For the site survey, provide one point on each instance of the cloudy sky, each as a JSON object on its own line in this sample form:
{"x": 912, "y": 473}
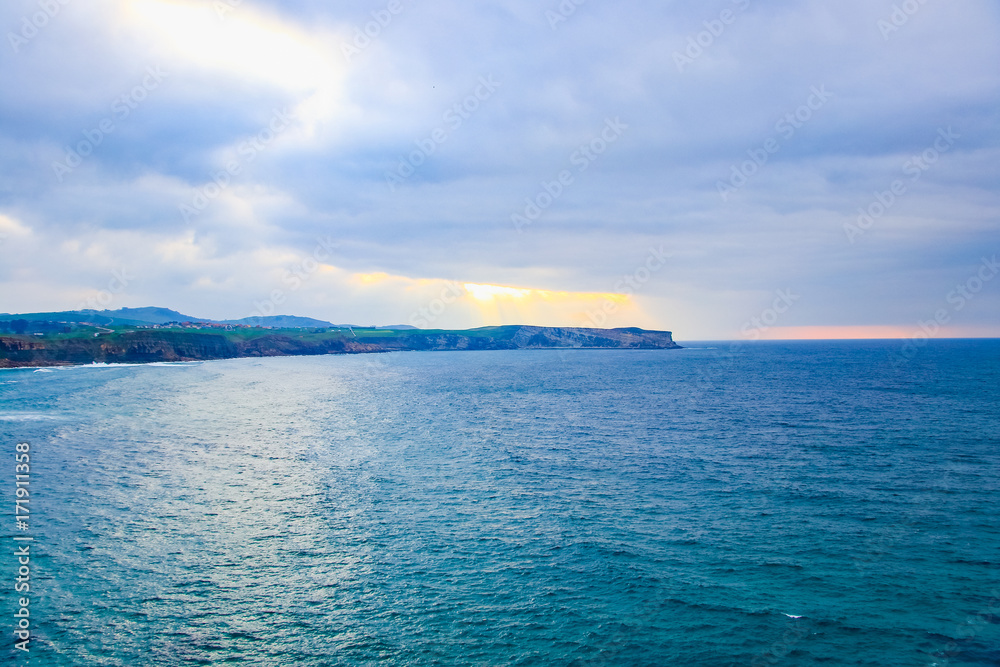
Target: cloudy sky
{"x": 725, "y": 169}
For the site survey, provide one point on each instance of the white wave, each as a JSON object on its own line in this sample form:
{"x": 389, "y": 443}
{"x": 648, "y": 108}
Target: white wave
{"x": 104, "y": 364}
{"x": 173, "y": 363}
{"x": 28, "y": 417}
{"x": 95, "y": 364}
{"x": 46, "y": 369}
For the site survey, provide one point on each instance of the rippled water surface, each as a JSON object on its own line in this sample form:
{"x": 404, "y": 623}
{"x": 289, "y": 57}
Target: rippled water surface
{"x": 773, "y": 504}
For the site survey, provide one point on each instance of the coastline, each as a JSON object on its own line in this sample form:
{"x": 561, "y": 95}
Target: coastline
{"x": 131, "y": 345}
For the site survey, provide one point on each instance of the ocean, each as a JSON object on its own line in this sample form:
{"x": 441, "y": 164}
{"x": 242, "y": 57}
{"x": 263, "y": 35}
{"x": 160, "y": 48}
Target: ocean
{"x": 778, "y": 503}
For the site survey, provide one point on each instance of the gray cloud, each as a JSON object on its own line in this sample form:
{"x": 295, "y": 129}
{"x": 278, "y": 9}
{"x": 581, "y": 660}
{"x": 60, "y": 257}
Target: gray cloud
{"x": 690, "y": 121}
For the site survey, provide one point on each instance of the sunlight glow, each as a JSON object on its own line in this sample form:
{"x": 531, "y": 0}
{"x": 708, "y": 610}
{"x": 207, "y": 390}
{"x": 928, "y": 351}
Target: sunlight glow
{"x": 487, "y": 292}
{"x": 241, "y": 42}
{"x": 442, "y": 303}
{"x": 371, "y": 278}
{"x": 11, "y": 227}
{"x": 500, "y": 304}
{"x": 482, "y": 292}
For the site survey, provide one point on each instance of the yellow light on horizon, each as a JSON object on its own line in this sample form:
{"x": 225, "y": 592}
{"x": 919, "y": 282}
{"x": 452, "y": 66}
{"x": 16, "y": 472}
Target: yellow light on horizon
{"x": 482, "y": 304}
{"x": 487, "y": 292}
{"x": 484, "y": 292}
{"x": 372, "y": 278}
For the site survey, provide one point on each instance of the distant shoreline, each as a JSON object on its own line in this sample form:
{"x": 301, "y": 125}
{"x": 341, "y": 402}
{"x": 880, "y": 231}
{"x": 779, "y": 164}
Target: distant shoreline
{"x": 139, "y": 345}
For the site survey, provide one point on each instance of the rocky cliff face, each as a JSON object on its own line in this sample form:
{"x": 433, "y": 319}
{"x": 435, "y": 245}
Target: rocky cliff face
{"x": 17, "y": 345}
{"x": 148, "y": 346}
{"x": 527, "y": 337}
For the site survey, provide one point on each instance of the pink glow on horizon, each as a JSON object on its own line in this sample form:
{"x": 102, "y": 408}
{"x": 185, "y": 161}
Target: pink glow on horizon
{"x": 874, "y": 331}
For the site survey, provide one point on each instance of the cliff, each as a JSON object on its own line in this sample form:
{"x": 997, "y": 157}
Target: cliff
{"x": 141, "y": 346}
{"x": 528, "y": 337}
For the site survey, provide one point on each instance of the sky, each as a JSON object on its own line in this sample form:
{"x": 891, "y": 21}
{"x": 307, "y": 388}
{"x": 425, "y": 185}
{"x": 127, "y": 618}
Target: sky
{"x": 731, "y": 169}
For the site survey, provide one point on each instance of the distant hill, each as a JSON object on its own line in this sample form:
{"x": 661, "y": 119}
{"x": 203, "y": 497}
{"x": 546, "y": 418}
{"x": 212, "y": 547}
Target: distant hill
{"x": 154, "y": 315}
{"x": 396, "y": 327}
{"x": 123, "y": 316}
{"x": 280, "y": 321}
{"x": 151, "y": 314}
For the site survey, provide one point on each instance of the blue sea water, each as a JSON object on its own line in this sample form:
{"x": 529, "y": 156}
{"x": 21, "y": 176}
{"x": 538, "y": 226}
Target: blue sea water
{"x": 820, "y": 503}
